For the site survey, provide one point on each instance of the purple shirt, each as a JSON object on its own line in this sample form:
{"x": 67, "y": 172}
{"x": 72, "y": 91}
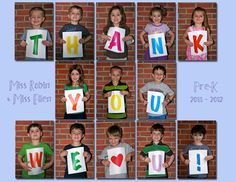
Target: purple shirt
{"x": 151, "y": 28}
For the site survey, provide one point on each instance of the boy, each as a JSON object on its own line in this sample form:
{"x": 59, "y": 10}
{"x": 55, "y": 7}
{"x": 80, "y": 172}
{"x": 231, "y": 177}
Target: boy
{"x": 114, "y": 135}
{"x": 36, "y": 18}
{"x": 157, "y": 133}
{"x": 116, "y": 85}
{"x": 77, "y": 133}
{"x": 198, "y": 133}
{"x": 158, "y": 74}
{"x": 35, "y": 132}
{"x": 75, "y": 15}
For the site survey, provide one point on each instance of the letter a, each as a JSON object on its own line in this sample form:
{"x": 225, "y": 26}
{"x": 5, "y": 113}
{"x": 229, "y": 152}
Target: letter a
{"x": 115, "y": 41}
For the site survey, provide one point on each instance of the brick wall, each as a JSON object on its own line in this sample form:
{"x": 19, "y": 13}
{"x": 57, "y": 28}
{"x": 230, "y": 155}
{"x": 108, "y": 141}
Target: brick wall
{"x": 63, "y": 138}
{"x": 102, "y": 15}
{"x": 144, "y": 76}
{"x": 185, "y": 13}
{"x": 144, "y": 138}
{"x": 22, "y": 138}
{"x": 87, "y": 21}
{"x": 62, "y": 70}
{"x": 143, "y": 20}
{"x": 22, "y": 23}
{"x": 103, "y": 70}
{"x": 184, "y": 138}
{"x": 128, "y": 128}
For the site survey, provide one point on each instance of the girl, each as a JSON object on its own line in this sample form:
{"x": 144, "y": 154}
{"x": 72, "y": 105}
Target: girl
{"x": 199, "y": 22}
{"x": 156, "y": 26}
{"x": 76, "y": 81}
{"x": 117, "y": 18}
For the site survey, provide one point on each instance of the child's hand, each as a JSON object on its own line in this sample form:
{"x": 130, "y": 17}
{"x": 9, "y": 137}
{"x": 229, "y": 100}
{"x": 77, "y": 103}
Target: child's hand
{"x": 146, "y": 45}
{"x": 207, "y": 158}
{"x": 124, "y": 92}
{"x": 147, "y": 160}
{"x": 108, "y": 94}
{"x": 105, "y": 162}
{"x": 61, "y": 41}
{"x": 63, "y": 153}
{"x": 127, "y": 38}
{"x": 47, "y": 165}
{"x": 186, "y": 162}
{"x": 26, "y": 166}
{"x": 84, "y": 99}
{"x": 189, "y": 43}
{"x": 63, "y": 99}
{"x": 144, "y": 102}
{"x": 105, "y": 37}
{"x": 128, "y": 157}
{"x": 86, "y": 154}
{"x": 46, "y": 43}
{"x": 165, "y": 165}
{"x": 164, "y": 103}
{"x": 23, "y": 43}
{"x": 208, "y": 43}
{"x": 82, "y": 41}
{"x": 168, "y": 44}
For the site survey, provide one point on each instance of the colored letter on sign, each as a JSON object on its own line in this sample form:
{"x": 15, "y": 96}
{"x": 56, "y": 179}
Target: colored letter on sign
{"x": 116, "y": 157}
{"x": 35, "y": 157}
{"x": 157, "y": 159}
{"x": 115, "y": 44}
{"x": 34, "y": 47}
{"x": 157, "y": 45}
{"x": 155, "y": 100}
{"x": 74, "y": 103}
{"x": 75, "y": 160}
{"x": 197, "y": 165}
{"x": 72, "y": 48}
{"x": 116, "y": 103}
{"x": 198, "y": 38}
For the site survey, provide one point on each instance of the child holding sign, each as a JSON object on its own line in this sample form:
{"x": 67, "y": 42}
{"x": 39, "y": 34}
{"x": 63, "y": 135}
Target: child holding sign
{"x": 75, "y": 15}
{"x": 196, "y": 43}
{"x": 116, "y": 34}
{"x": 116, "y": 91}
{"x": 78, "y": 167}
{"x": 156, "y": 27}
{"x": 35, "y": 157}
{"x": 159, "y": 94}
{"x": 75, "y": 102}
{"x": 202, "y": 151}
{"x": 36, "y": 18}
{"x": 115, "y": 156}
{"x": 154, "y": 154}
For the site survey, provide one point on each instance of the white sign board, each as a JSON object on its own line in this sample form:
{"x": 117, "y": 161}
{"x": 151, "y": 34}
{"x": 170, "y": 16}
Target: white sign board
{"x": 74, "y": 103}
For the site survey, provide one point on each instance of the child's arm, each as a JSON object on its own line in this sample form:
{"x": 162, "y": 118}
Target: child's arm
{"x": 23, "y": 43}
{"x": 85, "y": 40}
{"x": 24, "y": 165}
{"x": 106, "y": 95}
{"x": 63, "y": 99}
{"x": 48, "y": 164}
{"x": 87, "y": 97}
{"x": 62, "y": 155}
{"x": 102, "y": 38}
{"x": 141, "y": 36}
{"x": 169, "y": 162}
{"x": 125, "y": 92}
{"x": 210, "y": 40}
{"x": 47, "y": 43}
{"x": 209, "y": 157}
{"x": 168, "y": 100}
{"x": 129, "y": 39}
{"x": 186, "y": 40}
{"x": 183, "y": 160}
{"x": 129, "y": 156}
{"x": 172, "y": 38}
{"x": 105, "y": 162}
{"x": 87, "y": 156}
{"x": 141, "y": 96}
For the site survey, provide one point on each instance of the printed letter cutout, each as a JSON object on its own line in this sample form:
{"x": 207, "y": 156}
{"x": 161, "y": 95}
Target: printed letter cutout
{"x": 115, "y": 44}
{"x": 198, "y": 165}
{"x": 116, "y": 103}
{"x": 157, "y": 45}
{"x": 74, "y": 103}
{"x": 155, "y": 100}
{"x": 72, "y": 48}
{"x": 35, "y": 157}
{"x": 35, "y": 48}
{"x": 157, "y": 159}
{"x": 198, "y": 38}
{"x": 116, "y": 157}
{"x": 75, "y": 160}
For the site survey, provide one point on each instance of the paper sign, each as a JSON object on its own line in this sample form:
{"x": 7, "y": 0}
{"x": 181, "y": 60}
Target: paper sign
{"x": 155, "y": 100}
{"x": 197, "y": 164}
{"x": 72, "y": 48}
{"x": 35, "y": 47}
{"x": 116, "y": 103}
{"x": 157, "y": 160}
{"x": 74, "y": 103}
{"x": 116, "y": 157}
{"x": 198, "y": 38}
{"x": 157, "y": 45}
{"x": 115, "y": 44}
{"x": 75, "y": 160}
{"x": 35, "y": 157}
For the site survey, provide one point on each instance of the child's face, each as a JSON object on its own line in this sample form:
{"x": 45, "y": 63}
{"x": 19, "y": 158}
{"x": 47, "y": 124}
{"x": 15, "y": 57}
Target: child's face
{"x": 36, "y": 18}
{"x": 76, "y": 135}
{"x": 75, "y": 15}
{"x": 35, "y": 133}
{"x": 156, "y": 136}
{"x": 198, "y": 17}
{"x": 197, "y": 138}
{"x": 75, "y": 76}
{"x": 115, "y": 17}
{"x": 114, "y": 140}
{"x": 156, "y": 17}
{"x": 158, "y": 75}
{"x": 115, "y": 75}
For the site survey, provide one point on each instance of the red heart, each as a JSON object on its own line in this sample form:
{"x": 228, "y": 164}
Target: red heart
{"x": 117, "y": 160}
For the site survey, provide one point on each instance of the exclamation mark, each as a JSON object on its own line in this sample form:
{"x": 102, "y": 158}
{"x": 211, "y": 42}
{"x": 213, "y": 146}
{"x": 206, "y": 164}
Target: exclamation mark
{"x": 198, "y": 163}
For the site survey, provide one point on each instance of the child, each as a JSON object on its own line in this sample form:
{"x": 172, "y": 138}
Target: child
{"x": 35, "y": 132}
{"x": 77, "y": 132}
{"x": 36, "y": 18}
{"x": 75, "y": 14}
{"x": 198, "y": 133}
{"x": 154, "y": 27}
{"x": 76, "y": 81}
{"x": 116, "y": 85}
{"x": 157, "y": 133}
{"x": 199, "y": 22}
{"x": 114, "y": 135}
{"x": 117, "y": 18}
{"x": 158, "y": 74}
